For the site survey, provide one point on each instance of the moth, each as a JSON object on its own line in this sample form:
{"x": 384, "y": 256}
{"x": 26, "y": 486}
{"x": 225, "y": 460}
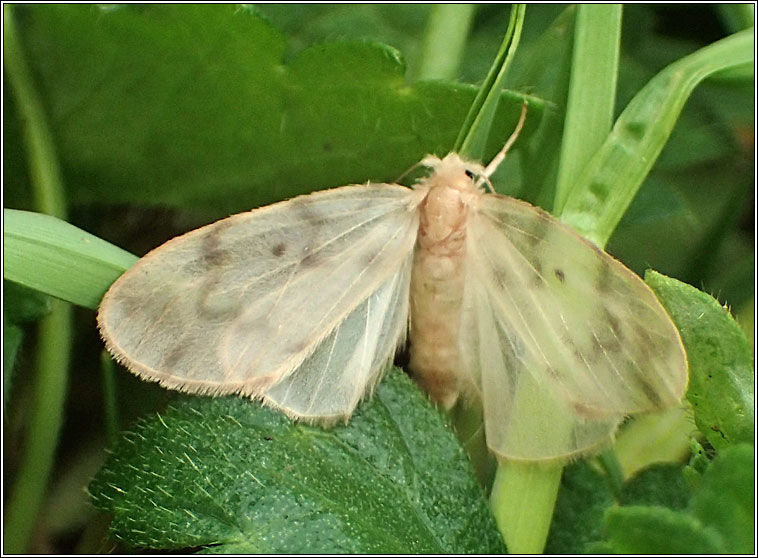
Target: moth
{"x": 303, "y": 303}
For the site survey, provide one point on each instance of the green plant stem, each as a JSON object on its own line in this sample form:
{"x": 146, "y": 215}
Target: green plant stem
{"x": 445, "y": 40}
{"x": 54, "y": 341}
{"x": 613, "y": 472}
{"x": 522, "y": 500}
{"x": 108, "y": 367}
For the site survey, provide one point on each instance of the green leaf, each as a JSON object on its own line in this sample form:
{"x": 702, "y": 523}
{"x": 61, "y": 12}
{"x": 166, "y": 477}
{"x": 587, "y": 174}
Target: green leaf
{"x": 657, "y": 530}
{"x": 654, "y": 438}
{"x": 227, "y": 472}
{"x": 657, "y": 485}
{"x": 196, "y": 106}
{"x": 444, "y": 43}
{"x": 583, "y": 498}
{"x": 725, "y": 498}
{"x": 720, "y": 518}
{"x": 54, "y": 257}
{"x": 13, "y": 336}
{"x": 720, "y": 361}
{"x": 22, "y": 305}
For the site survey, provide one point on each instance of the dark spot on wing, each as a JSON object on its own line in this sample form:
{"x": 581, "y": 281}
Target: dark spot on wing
{"x": 211, "y": 304}
{"x": 537, "y": 279}
{"x": 560, "y": 275}
{"x": 500, "y": 275}
{"x": 539, "y": 228}
{"x": 279, "y": 249}
{"x": 647, "y": 388}
{"x": 604, "y": 274}
{"x": 586, "y": 411}
{"x": 312, "y": 259}
{"x": 327, "y": 146}
{"x": 304, "y": 211}
{"x": 173, "y": 357}
{"x": 212, "y": 255}
{"x": 614, "y": 324}
{"x": 215, "y": 258}
{"x": 298, "y": 347}
{"x": 368, "y": 259}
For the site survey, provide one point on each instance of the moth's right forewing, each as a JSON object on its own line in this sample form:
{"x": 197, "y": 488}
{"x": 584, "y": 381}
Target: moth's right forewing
{"x": 583, "y": 341}
{"x": 239, "y": 304}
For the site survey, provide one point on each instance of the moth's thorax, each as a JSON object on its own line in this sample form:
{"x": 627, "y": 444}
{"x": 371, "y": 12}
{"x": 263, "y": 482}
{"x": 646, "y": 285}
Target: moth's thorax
{"x": 450, "y": 196}
{"x": 438, "y": 275}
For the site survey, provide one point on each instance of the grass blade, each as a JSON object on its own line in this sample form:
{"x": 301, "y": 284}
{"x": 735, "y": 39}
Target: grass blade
{"x": 609, "y": 182}
{"x": 592, "y": 91}
{"x": 59, "y": 259}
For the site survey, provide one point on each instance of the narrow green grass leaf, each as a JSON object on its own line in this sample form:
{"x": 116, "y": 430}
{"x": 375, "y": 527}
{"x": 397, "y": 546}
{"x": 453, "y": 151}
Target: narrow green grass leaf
{"x": 20, "y": 306}
{"x": 57, "y": 258}
{"x": 445, "y": 40}
{"x": 592, "y": 91}
{"x": 473, "y": 135}
{"x": 45, "y": 415}
{"x": 608, "y": 183}
{"x": 545, "y": 69}
{"x": 231, "y": 475}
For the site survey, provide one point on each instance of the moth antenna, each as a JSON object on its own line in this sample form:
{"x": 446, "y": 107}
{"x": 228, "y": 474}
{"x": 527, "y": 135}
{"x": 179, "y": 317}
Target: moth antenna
{"x": 484, "y": 180}
{"x": 495, "y": 163}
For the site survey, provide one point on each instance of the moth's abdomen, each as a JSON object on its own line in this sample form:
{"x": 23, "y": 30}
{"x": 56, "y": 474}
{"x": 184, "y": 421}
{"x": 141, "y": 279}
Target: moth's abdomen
{"x": 437, "y": 292}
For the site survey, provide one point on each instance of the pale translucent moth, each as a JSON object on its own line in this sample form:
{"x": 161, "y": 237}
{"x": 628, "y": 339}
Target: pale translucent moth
{"x": 303, "y": 303}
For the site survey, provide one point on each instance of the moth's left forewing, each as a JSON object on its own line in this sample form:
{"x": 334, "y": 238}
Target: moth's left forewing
{"x": 585, "y": 340}
{"x": 298, "y": 288}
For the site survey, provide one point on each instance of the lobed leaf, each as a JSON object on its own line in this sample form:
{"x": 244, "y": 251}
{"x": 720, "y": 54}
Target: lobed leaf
{"x": 583, "y": 498}
{"x": 720, "y": 362}
{"x": 197, "y": 105}
{"x": 232, "y": 476}
{"x": 657, "y": 530}
{"x": 661, "y": 484}
{"x": 720, "y": 518}
{"x": 725, "y": 499}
